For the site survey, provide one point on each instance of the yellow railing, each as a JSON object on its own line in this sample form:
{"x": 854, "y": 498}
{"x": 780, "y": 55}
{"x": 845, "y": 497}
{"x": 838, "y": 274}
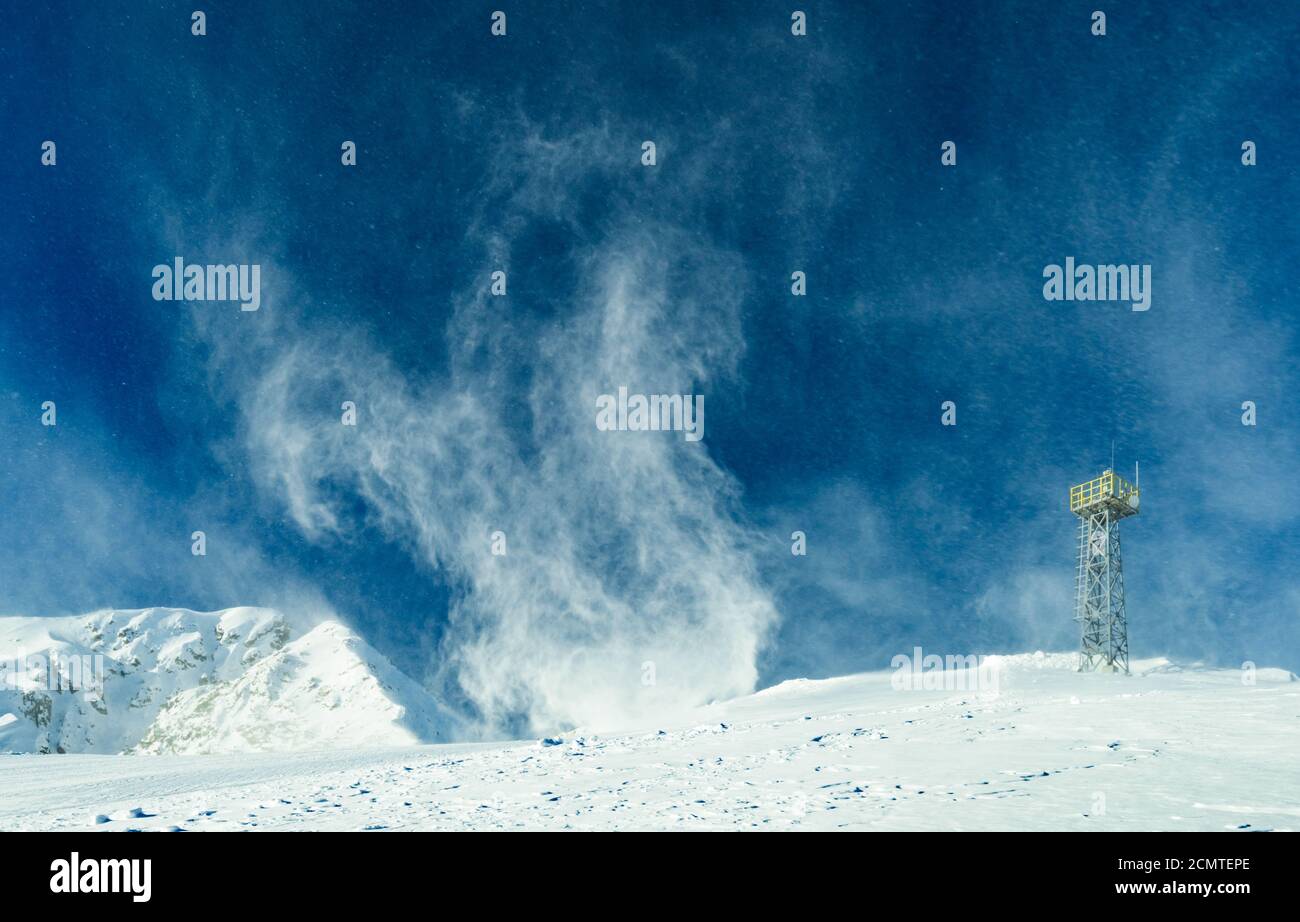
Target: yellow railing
{"x": 1109, "y": 485}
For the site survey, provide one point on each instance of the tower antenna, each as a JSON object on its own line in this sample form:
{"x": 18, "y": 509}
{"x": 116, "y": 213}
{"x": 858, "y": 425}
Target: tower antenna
{"x": 1100, "y": 504}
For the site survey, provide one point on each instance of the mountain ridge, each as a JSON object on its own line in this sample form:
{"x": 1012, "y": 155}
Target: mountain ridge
{"x": 176, "y": 681}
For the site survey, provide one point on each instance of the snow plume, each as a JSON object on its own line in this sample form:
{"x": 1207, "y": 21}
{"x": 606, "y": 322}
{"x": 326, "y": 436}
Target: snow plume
{"x": 627, "y": 587}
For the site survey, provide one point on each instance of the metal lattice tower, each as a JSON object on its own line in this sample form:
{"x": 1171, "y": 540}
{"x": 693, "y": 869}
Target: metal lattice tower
{"x": 1099, "y": 587}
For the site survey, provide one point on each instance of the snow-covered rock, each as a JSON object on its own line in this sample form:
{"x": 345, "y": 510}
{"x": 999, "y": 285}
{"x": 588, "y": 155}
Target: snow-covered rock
{"x": 327, "y": 689}
{"x": 179, "y": 681}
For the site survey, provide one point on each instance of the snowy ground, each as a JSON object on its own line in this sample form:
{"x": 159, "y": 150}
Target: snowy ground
{"x": 1165, "y": 748}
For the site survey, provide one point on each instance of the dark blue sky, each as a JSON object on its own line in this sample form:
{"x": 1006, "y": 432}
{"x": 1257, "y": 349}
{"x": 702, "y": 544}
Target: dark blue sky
{"x": 776, "y": 153}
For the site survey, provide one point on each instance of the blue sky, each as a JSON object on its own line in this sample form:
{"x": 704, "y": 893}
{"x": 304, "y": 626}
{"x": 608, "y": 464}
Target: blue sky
{"x": 775, "y": 153}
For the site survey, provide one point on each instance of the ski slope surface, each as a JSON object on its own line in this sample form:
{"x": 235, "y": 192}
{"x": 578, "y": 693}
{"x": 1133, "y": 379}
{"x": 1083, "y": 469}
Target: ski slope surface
{"x": 1177, "y": 748}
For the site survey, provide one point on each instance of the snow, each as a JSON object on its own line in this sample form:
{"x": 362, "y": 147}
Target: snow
{"x": 1170, "y": 747}
{"x": 326, "y": 689}
{"x": 183, "y": 682}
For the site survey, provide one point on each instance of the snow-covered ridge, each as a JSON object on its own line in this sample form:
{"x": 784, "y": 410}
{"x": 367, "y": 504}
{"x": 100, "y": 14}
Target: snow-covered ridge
{"x": 169, "y": 680}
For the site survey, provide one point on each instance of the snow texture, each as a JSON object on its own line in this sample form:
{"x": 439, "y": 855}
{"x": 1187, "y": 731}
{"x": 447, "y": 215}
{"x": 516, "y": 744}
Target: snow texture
{"x": 1170, "y": 747}
{"x": 183, "y": 682}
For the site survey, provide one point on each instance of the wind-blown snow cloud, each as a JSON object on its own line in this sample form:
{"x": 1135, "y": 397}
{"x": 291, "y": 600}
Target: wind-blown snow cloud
{"x": 628, "y": 587}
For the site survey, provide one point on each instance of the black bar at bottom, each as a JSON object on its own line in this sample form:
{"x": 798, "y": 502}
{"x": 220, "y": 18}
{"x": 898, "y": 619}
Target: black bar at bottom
{"x": 306, "y": 870}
